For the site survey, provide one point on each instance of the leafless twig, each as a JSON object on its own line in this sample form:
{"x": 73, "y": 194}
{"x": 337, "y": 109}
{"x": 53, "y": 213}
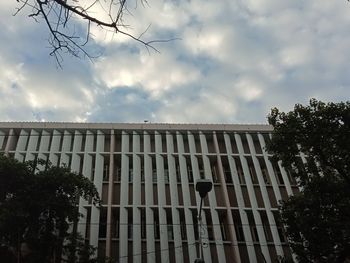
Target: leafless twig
{"x": 61, "y": 17}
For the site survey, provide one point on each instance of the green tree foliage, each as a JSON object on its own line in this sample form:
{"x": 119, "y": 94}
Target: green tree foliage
{"x": 37, "y": 207}
{"x": 317, "y": 220}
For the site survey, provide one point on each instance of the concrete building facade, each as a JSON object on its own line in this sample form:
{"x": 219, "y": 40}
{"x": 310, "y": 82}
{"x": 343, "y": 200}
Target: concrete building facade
{"x": 146, "y": 174}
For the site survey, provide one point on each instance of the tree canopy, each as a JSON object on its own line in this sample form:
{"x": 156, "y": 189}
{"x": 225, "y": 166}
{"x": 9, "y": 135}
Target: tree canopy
{"x": 38, "y": 206}
{"x": 313, "y": 143}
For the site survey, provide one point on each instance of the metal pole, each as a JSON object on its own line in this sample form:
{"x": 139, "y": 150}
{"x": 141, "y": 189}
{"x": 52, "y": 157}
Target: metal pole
{"x": 200, "y": 230}
{"x": 203, "y": 186}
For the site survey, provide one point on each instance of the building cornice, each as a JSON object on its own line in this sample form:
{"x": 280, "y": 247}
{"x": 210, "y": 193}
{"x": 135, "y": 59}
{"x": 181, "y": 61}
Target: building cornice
{"x": 136, "y": 126}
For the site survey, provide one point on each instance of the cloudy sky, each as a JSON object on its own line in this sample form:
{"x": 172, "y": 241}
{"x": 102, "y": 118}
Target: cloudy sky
{"x": 233, "y": 61}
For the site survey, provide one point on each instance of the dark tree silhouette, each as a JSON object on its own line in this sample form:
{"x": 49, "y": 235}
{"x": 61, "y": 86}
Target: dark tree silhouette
{"x": 317, "y": 220}
{"x": 37, "y": 207}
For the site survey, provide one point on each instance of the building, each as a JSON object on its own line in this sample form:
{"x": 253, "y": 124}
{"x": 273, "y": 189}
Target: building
{"x": 146, "y": 173}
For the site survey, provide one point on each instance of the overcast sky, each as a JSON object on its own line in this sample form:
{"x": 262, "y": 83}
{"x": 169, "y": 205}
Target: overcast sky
{"x": 233, "y": 62}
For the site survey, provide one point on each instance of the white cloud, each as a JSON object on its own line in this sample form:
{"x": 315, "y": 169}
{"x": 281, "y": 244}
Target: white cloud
{"x": 32, "y": 93}
{"x": 147, "y": 20}
{"x": 155, "y": 73}
{"x": 236, "y": 60}
{"x": 249, "y": 89}
{"x": 205, "y": 109}
{"x": 209, "y": 41}
{"x": 31, "y": 86}
{"x": 296, "y": 56}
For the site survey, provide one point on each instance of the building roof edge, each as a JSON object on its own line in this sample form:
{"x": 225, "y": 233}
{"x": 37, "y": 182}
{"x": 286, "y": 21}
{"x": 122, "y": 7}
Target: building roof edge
{"x": 137, "y": 126}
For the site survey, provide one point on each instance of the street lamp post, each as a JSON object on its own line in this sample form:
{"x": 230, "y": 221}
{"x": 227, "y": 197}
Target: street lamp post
{"x": 203, "y": 187}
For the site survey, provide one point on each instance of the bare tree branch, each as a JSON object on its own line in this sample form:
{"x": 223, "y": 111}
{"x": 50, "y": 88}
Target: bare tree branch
{"x": 61, "y": 16}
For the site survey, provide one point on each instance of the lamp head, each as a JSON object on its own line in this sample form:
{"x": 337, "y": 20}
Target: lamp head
{"x": 203, "y": 186}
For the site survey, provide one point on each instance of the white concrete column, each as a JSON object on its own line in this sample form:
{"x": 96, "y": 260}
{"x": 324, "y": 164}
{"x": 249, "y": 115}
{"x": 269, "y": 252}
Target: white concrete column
{"x": 98, "y": 179}
{"x": 286, "y": 180}
{"x": 266, "y": 200}
{"x": 124, "y": 191}
{"x": 283, "y": 171}
{"x": 195, "y": 169}
{"x": 269, "y": 167}
{"x": 212, "y": 201}
{"x": 11, "y": 141}
{"x": 136, "y": 187}
{"x": 32, "y": 145}
{"x": 164, "y": 246}
{"x": 110, "y": 194}
{"x": 271, "y": 172}
{"x": 151, "y": 255}
{"x": 54, "y": 149}
{"x": 252, "y": 197}
{"x": 231, "y": 227}
{"x": 44, "y": 147}
{"x": 174, "y": 198}
{"x": 21, "y": 145}
{"x": 75, "y": 167}
{"x": 2, "y": 139}
{"x": 66, "y": 148}
{"x": 44, "y": 141}
{"x": 240, "y": 201}
{"x": 186, "y": 198}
